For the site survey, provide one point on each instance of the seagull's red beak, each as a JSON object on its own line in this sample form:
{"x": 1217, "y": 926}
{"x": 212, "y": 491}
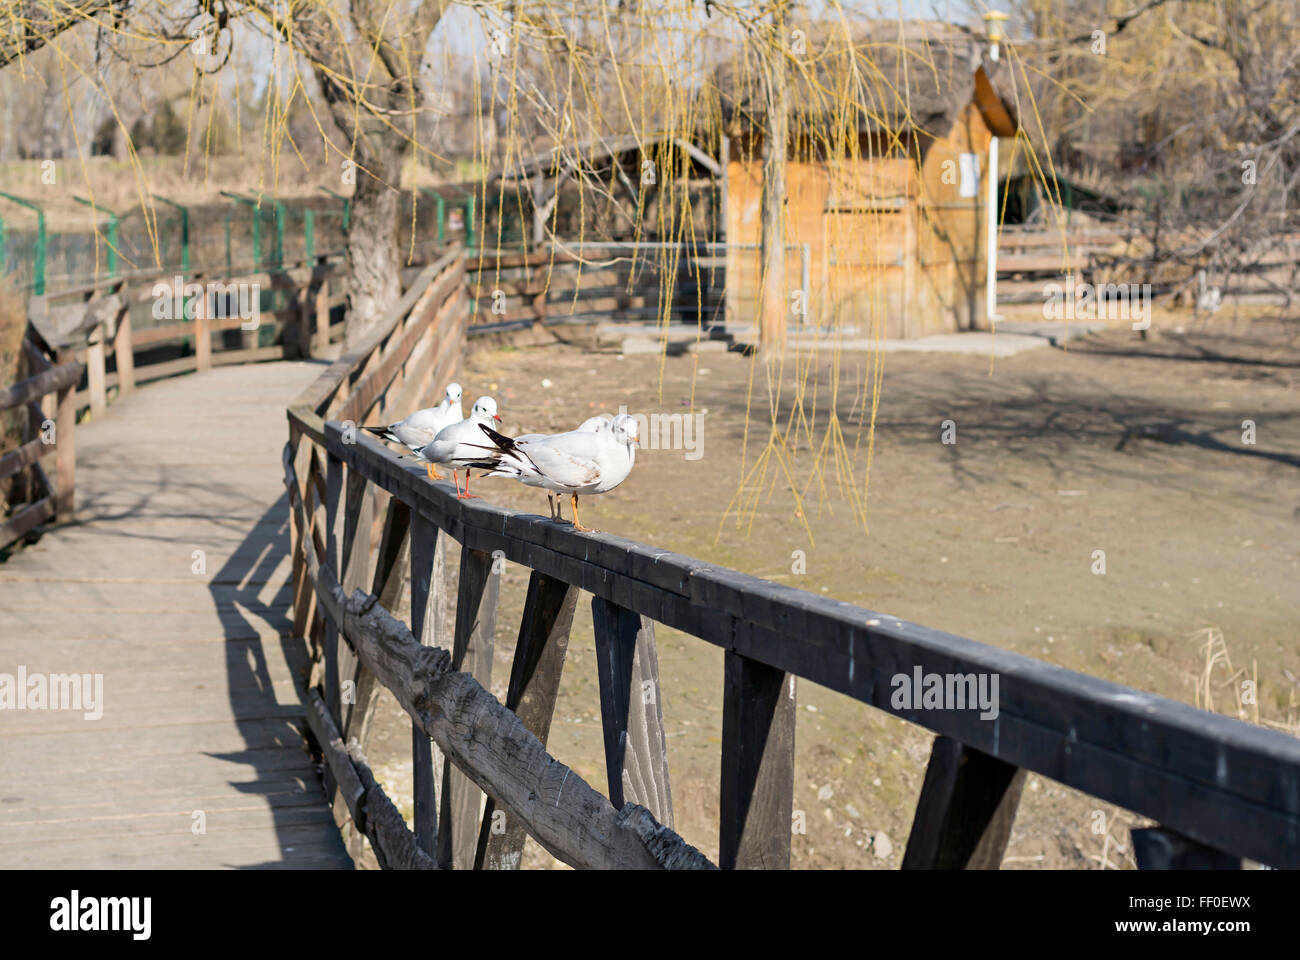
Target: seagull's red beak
{"x": 496, "y": 418}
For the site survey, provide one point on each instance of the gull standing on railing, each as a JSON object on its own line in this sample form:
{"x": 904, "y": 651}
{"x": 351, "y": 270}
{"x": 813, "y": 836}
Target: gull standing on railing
{"x": 422, "y": 427}
{"x": 463, "y": 445}
{"x": 590, "y": 425}
{"x": 579, "y": 462}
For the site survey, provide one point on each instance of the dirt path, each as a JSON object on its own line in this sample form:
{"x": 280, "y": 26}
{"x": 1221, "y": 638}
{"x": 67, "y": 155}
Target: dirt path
{"x": 1130, "y": 447}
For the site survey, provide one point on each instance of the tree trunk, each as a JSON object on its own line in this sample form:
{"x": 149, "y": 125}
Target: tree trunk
{"x": 374, "y": 266}
{"x": 773, "y": 310}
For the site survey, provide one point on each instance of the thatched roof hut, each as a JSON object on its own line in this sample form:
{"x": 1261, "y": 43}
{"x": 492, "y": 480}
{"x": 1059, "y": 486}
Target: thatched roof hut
{"x": 880, "y": 77}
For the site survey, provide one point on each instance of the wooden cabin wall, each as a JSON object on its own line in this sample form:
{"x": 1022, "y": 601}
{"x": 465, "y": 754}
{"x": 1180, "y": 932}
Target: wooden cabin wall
{"x": 852, "y": 214}
{"x": 896, "y": 251}
{"x": 805, "y": 191}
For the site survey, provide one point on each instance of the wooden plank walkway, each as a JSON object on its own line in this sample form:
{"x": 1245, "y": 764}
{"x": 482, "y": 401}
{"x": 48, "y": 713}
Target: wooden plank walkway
{"x": 174, "y": 585}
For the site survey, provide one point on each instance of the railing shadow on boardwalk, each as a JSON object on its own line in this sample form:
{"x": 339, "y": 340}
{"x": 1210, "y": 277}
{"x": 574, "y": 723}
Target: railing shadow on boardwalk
{"x": 252, "y": 620}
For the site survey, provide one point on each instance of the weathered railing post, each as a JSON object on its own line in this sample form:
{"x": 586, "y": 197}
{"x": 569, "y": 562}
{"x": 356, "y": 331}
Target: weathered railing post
{"x": 390, "y": 566}
{"x": 124, "y": 349}
{"x": 534, "y": 685}
{"x": 426, "y": 586}
{"x": 95, "y": 371}
{"x": 202, "y": 333}
{"x": 333, "y": 495}
{"x": 757, "y": 792}
{"x": 968, "y": 803}
{"x": 631, "y": 714}
{"x": 65, "y": 450}
{"x": 476, "y": 614}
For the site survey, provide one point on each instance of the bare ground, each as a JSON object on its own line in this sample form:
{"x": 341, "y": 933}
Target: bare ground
{"x": 1117, "y": 444}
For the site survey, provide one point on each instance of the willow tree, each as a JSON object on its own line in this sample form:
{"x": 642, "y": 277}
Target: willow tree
{"x": 28, "y": 25}
{"x": 366, "y": 56}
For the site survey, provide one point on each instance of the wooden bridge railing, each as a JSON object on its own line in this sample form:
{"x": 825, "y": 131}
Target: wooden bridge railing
{"x": 1220, "y": 789}
{"x": 609, "y": 281}
{"x": 46, "y": 395}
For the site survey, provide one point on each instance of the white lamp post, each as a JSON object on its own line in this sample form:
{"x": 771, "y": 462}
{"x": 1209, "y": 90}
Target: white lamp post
{"x": 994, "y": 20}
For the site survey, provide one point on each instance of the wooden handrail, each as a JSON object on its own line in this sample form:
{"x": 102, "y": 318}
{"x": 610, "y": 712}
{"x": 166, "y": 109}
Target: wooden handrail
{"x": 37, "y": 386}
{"x": 57, "y": 376}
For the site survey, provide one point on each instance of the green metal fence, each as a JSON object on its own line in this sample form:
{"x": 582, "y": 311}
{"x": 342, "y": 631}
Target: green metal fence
{"x": 239, "y": 232}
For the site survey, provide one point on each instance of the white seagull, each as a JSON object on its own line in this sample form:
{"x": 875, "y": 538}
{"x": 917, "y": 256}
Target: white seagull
{"x": 590, "y": 425}
{"x": 578, "y": 462}
{"x": 463, "y": 445}
{"x": 421, "y": 427}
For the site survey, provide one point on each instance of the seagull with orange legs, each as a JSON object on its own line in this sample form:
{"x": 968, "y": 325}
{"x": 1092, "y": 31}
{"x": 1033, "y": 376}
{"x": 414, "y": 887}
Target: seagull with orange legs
{"x": 422, "y": 427}
{"x": 581, "y": 462}
{"x": 463, "y": 445}
{"x": 590, "y": 425}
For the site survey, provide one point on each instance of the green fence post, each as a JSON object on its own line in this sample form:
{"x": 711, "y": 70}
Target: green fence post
{"x": 113, "y": 224}
{"x": 185, "y": 233}
{"x": 470, "y": 238}
{"x": 279, "y": 232}
{"x": 440, "y": 206}
{"x": 309, "y": 235}
{"x": 257, "y": 229}
{"x": 38, "y": 267}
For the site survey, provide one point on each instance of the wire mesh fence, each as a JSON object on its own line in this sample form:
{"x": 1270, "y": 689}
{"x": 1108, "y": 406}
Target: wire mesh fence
{"x": 243, "y": 233}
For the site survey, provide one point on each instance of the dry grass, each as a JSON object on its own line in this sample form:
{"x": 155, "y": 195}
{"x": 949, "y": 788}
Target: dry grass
{"x": 121, "y": 185}
{"x": 1218, "y": 678}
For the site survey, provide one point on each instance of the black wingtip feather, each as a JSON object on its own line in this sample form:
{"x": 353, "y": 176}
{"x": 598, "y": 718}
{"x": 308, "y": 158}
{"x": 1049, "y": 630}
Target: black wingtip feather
{"x": 506, "y": 444}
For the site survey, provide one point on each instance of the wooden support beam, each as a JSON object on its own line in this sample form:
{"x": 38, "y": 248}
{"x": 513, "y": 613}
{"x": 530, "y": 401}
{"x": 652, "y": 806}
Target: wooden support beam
{"x": 95, "y": 371}
{"x": 426, "y": 578}
{"x": 356, "y": 533}
{"x": 301, "y": 491}
{"x": 631, "y": 715}
{"x": 476, "y": 615}
{"x": 124, "y": 354}
{"x": 968, "y": 803}
{"x": 29, "y": 453}
{"x": 65, "y": 458}
{"x": 25, "y": 519}
{"x": 1155, "y": 848}
{"x": 333, "y": 495}
{"x": 355, "y": 557}
{"x": 534, "y": 685}
{"x": 390, "y": 567}
{"x": 757, "y": 792}
{"x": 202, "y": 333}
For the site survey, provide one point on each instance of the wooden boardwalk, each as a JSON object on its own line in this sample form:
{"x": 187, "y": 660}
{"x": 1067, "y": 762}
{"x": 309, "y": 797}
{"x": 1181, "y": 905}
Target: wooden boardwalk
{"x": 173, "y": 584}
